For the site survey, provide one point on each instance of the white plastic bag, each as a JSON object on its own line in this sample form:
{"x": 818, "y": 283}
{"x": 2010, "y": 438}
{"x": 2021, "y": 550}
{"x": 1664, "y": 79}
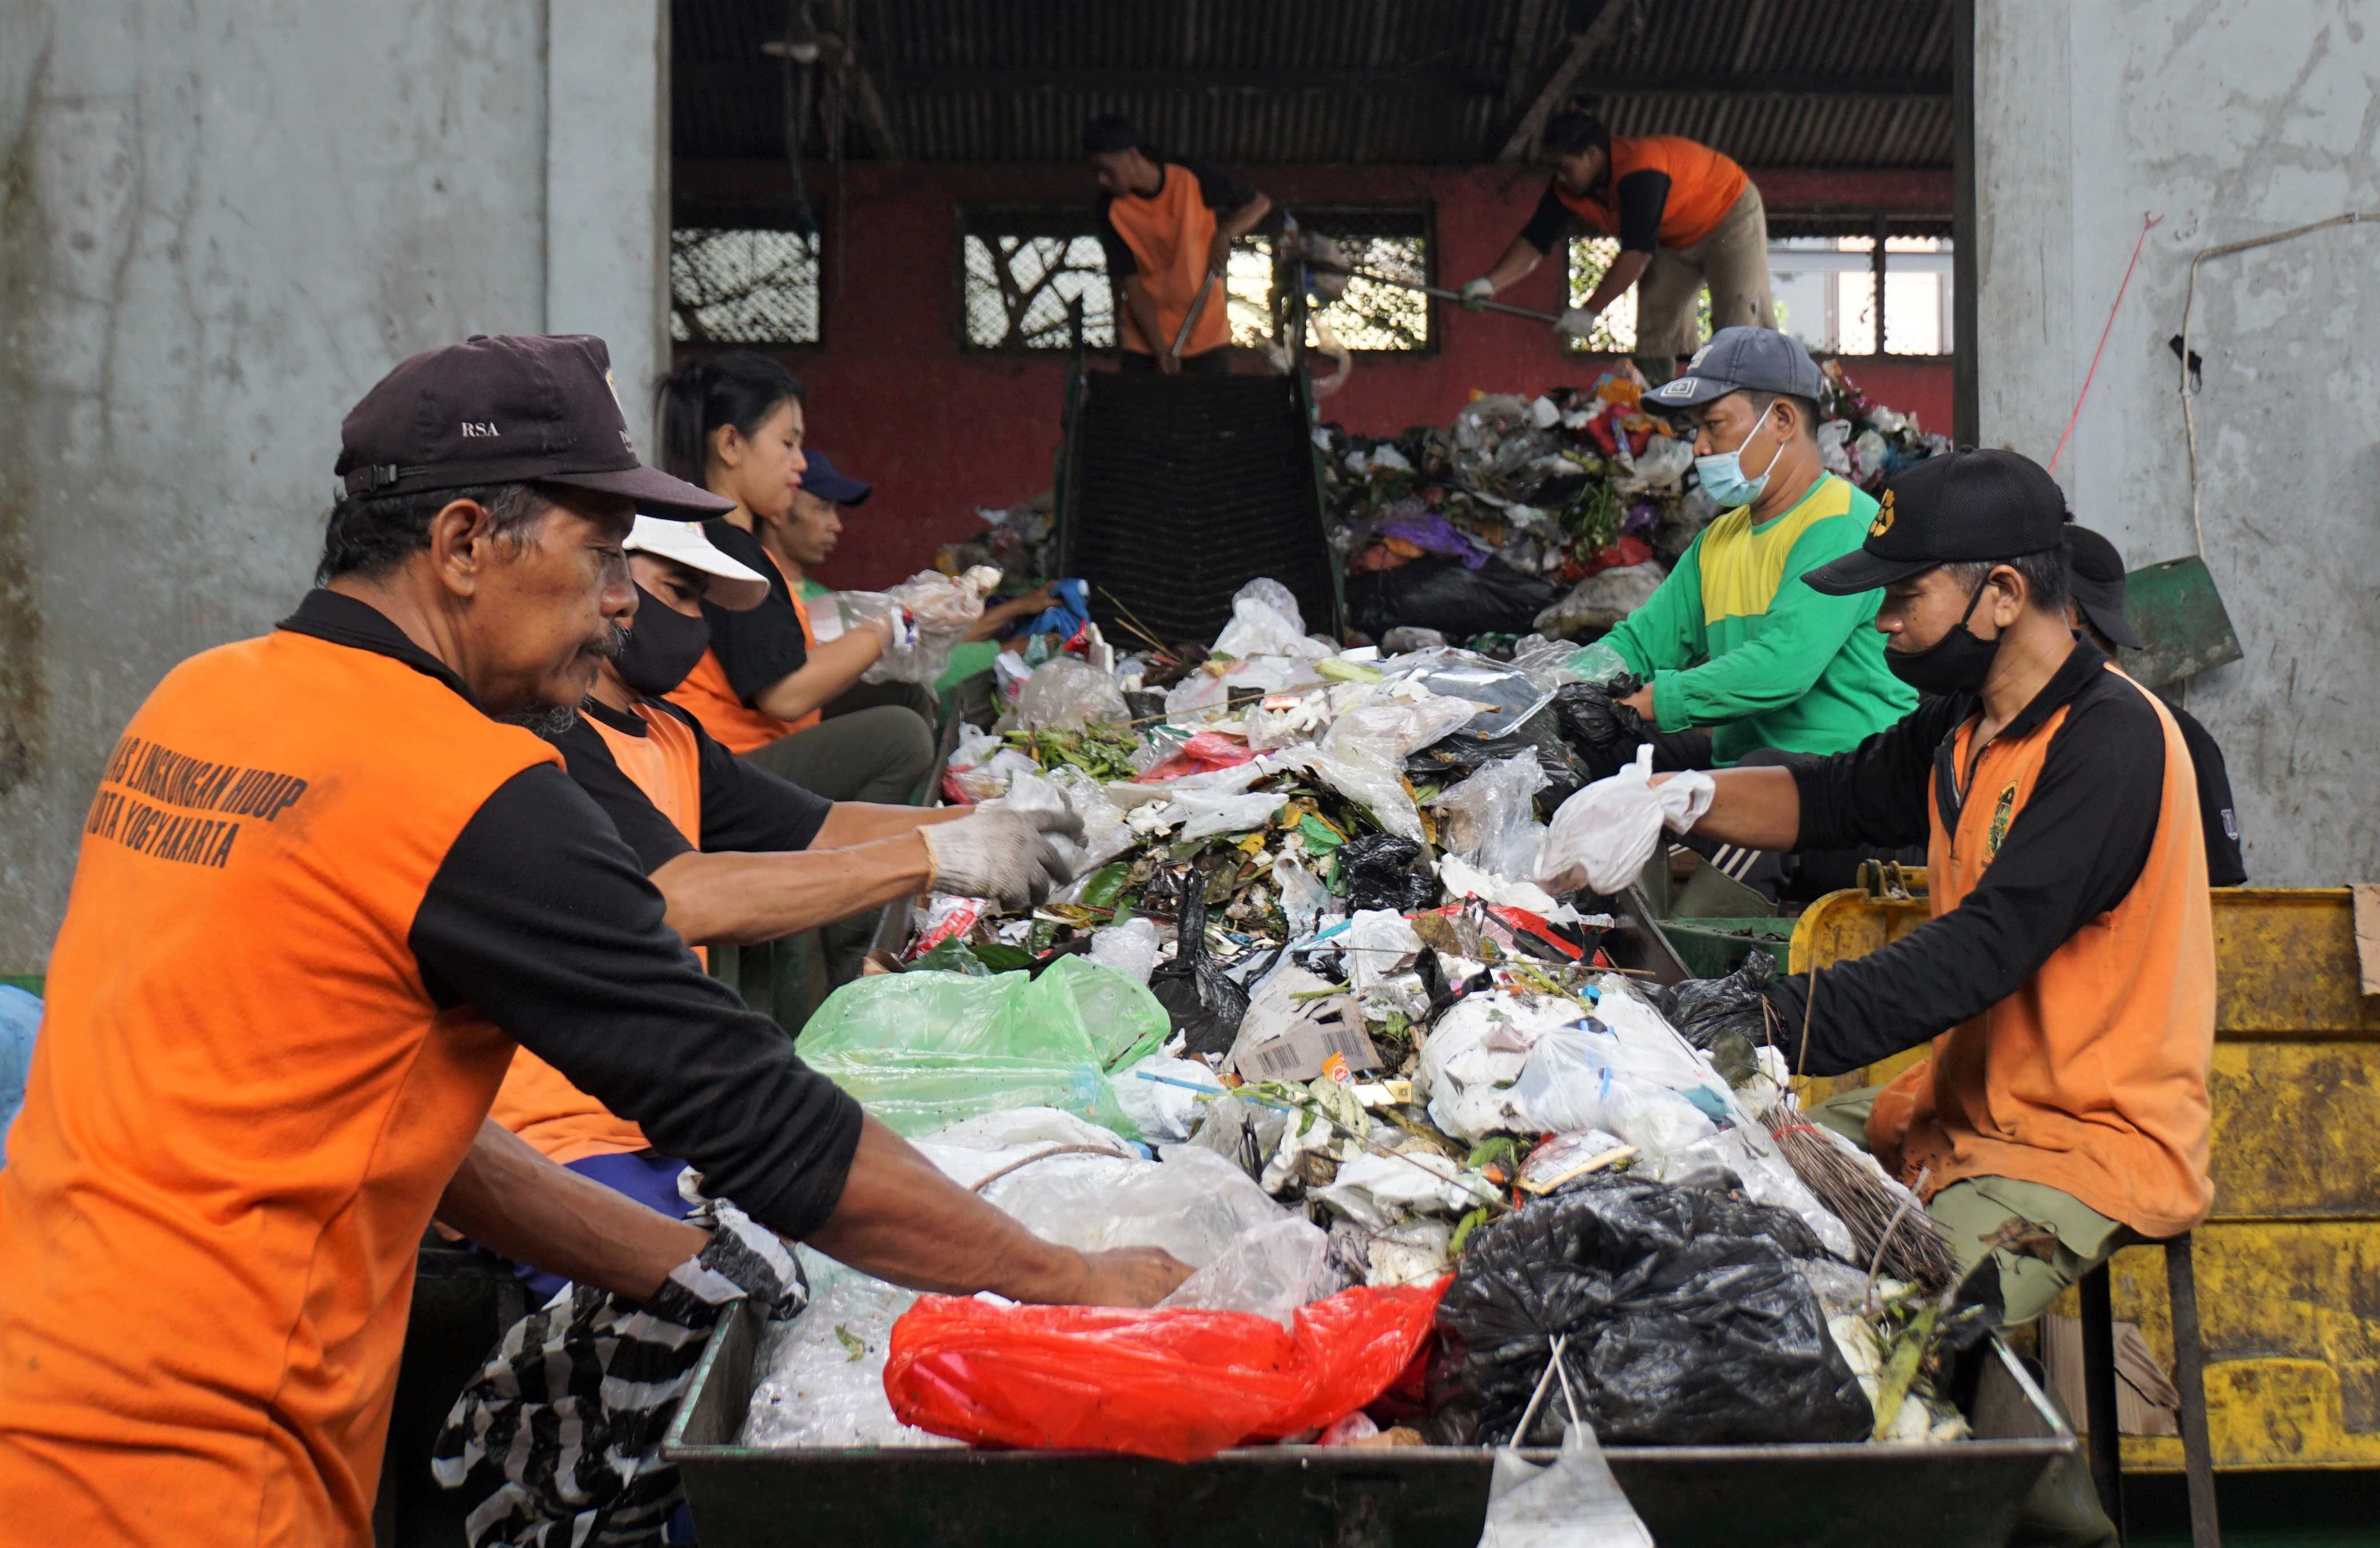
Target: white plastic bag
{"x": 1193, "y": 1203}
{"x": 1601, "y": 838}
{"x": 1570, "y": 1082}
{"x": 1572, "y": 1502}
{"x": 1105, "y": 836}
{"x": 1267, "y": 621}
{"x": 1475, "y": 1052}
{"x": 821, "y": 1374}
{"x": 1381, "y": 953}
{"x": 1167, "y": 1113}
{"x": 1378, "y": 1190}
{"x": 944, "y": 607}
{"x": 1492, "y": 819}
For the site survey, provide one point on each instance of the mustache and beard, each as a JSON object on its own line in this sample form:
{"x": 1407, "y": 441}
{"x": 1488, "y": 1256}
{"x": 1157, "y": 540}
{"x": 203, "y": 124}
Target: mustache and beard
{"x": 553, "y": 720}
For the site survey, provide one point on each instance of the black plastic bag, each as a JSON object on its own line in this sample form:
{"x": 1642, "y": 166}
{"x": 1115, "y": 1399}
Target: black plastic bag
{"x": 1689, "y": 1322}
{"x": 1378, "y": 870}
{"x": 1205, "y": 1006}
{"x": 1442, "y": 594}
{"x": 1728, "y": 1017}
{"x": 1458, "y": 756}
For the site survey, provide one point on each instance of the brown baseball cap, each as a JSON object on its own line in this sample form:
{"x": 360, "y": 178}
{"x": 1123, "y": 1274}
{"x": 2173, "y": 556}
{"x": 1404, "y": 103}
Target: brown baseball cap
{"x": 506, "y": 409}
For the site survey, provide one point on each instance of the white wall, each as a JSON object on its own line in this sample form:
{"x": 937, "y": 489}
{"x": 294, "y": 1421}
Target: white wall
{"x": 220, "y": 223}
{"x": 2229, "y": 118}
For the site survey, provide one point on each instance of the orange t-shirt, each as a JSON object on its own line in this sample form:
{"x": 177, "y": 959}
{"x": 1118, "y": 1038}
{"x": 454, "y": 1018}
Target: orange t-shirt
{"x": 243, "y": 1107}
{"x": 1704, "y": 184}
{"x": 1171, "y": 233}
{"x": 537, "y": 1101}
{"x": 2092, "y": 1078}
{"x": 708, "y": 696}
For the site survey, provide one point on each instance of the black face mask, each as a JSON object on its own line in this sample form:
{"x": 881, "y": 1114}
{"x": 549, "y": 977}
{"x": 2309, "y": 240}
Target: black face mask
{"x": 1958, "y": 663}
{"x": 662, "y": 647}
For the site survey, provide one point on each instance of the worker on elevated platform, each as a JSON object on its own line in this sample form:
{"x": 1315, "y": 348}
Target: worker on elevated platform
{"x": 325, "y": 893}
{"x": 1167, "y": 227}
{"x": 1686, "y": 217}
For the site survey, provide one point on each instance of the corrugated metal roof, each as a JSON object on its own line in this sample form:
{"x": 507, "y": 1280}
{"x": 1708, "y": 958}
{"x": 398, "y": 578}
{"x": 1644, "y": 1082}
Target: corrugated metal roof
{"x": 1830, "y": 83}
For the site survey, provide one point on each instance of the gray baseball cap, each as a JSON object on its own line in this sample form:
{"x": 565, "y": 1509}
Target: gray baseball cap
{"x": 1759, "y": 358}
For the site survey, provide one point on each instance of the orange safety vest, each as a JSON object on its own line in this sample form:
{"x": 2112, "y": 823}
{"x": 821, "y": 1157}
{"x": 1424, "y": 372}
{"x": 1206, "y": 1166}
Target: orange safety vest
{"x": 1171, "y": 233}
{"x": 1704, "y": 185}
{"x": 244, "y": 1105}
{"x": 2091, "y": 1078}
{"x": 537, "y": 1101}
{"x": 708, "y": 697}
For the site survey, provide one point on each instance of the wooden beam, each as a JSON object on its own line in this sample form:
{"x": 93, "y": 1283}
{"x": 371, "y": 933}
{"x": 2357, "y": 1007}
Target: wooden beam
{"x": 1965, "y": 382}
{"x": 1864, "y": 88}
{"x": 1408, "y": 82}
{"x": 1525, "y": 26}
{"x": 1582, "y": 53}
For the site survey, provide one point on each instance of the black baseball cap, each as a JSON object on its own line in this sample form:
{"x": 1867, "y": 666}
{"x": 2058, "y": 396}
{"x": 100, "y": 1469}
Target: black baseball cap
{"x": 505, "y": 409}
{"x": 822, "y": 479}
{"x": 1959, "y": 508}
{"x": 2094, "y": 574}
{"x": 1760, "y": 360}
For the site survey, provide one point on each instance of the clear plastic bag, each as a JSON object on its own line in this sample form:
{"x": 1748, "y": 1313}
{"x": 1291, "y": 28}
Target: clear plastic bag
{"x": 1194, "y": 1203}
{"x": 1381, "y": 953}
{"x": 1269, "y": 1270}
{"x": 1363, "y": 754}
{"x": 1475, "y": 1052}
{"x": 944, "y": 607}
{"x": 921, "y": 1050}
{"x": 1603, "y": 598}
{"x": 1066, "y": 695}
{"x": 1105, "y": 835}
{"x": 1492, "y": 819}
{"x": 1129, "y": 947}
{"x": 1572, "y": 1502}
{"x": 1303, "y": 900}
{"x": 819, "y": 1377}
{"x": 1570, "y": 1081}
{"x": 1601, "y": 838}
{"x": 1166, "y": 1110}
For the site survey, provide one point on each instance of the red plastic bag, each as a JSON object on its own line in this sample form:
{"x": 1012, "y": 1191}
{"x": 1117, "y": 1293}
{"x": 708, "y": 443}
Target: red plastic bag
{"x": 1175, "y": 1383}
{"x": 1203, "y": 753}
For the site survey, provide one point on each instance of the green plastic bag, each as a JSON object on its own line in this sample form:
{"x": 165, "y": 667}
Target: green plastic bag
{"x": 925, "y": 1050}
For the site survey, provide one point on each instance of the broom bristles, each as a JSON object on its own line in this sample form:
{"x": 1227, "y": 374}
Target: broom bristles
{"x": 1916, "y": 1252}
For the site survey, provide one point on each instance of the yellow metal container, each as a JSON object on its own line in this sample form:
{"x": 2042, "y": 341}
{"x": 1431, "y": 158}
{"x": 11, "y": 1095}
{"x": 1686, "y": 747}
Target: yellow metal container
{"x": 2289, "y": 1264}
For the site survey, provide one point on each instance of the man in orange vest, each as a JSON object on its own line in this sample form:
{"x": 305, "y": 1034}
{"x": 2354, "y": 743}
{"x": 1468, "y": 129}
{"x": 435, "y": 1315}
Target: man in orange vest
{"x": 1167, "y": 227}
{"x": 739, "y": 854}
{"x": 2066, "y": 980}
{"x": 1686, "y": 217}
{"x": 325, "y": 893}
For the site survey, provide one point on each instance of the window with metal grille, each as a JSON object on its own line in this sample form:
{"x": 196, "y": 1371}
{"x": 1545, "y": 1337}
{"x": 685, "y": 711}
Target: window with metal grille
{"x": 1370, "y": 317}
{"x": 741, "y": 285}
{"x": 1020, "y": 270}
{"x": 1825, "y": 287}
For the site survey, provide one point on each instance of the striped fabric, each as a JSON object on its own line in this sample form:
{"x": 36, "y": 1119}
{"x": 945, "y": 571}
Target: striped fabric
{"x": 560, "y": 1432}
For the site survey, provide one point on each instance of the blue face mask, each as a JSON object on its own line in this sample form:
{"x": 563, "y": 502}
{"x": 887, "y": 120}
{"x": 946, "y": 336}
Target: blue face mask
{"x": 1723, "y": 475}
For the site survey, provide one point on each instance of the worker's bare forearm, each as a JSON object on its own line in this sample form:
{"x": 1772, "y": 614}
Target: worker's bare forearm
{"x": 831, "y": 667}
{"x": 903, "y": 1220}
{"x": 1626, "y": 271}
{"x": 850, "y": 823}
{"x": 508, "y": 1196}
{"x": 732, "y": 900}
{"x": 1519, "y": 262}
{"x": 1238, "y": 224}
{"x": 1756, "y": 809}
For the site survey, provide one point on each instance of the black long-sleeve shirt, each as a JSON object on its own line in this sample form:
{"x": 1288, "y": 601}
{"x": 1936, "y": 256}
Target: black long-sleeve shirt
{"x": 2072, "y": 851}
{"x": 745, "y": 807}
{"x": 1642, "y": 196}
{"x": 541, "y": 917}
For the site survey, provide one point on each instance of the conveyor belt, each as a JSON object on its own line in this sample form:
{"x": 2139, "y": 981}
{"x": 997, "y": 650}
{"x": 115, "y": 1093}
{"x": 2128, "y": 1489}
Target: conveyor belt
{"x": 1181, "y": 490}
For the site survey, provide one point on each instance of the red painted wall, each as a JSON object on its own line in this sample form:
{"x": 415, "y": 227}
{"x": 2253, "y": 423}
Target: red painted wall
{"x": 940, "y": 431}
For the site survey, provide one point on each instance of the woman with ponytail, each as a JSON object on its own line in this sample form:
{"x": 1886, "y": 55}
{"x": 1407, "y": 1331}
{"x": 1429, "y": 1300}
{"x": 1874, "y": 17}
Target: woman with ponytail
{"x": 767, "y": 688}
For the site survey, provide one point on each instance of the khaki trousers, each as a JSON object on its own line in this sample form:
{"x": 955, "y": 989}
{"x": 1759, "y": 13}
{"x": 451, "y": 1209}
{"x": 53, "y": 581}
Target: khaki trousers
{"x": 1732, "y": 260}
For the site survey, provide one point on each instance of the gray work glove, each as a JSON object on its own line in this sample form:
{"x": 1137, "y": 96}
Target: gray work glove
{"x": 1013, "y": 857}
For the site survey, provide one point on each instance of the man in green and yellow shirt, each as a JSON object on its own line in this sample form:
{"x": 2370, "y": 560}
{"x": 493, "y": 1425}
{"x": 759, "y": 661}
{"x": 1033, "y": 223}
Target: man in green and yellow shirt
{"x": 1733, "y": 645}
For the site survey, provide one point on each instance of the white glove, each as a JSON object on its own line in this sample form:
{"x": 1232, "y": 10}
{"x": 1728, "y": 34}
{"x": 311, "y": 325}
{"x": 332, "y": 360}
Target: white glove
{"x": 1602, "y": 835}
{"x": 1478, "y": 290}
{"x": 1578, "y": 322}
{"x": 1015, "y": 857}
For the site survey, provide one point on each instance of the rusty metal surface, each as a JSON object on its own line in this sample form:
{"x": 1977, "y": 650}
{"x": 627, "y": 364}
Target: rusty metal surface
{"x": 1831, "y": 83}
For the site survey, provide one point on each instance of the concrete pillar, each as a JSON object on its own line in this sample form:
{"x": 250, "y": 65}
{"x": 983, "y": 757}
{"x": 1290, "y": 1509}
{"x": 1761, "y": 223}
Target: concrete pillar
{"x": 607, "y": 189}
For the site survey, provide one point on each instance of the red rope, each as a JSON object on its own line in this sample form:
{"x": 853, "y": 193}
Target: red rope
{"x": 2146, "y": 222}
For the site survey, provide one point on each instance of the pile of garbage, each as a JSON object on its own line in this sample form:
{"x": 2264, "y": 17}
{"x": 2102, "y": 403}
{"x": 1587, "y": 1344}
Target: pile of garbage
{"x": 1482, "y": 527}
{"x": 1307, "y": 1018}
